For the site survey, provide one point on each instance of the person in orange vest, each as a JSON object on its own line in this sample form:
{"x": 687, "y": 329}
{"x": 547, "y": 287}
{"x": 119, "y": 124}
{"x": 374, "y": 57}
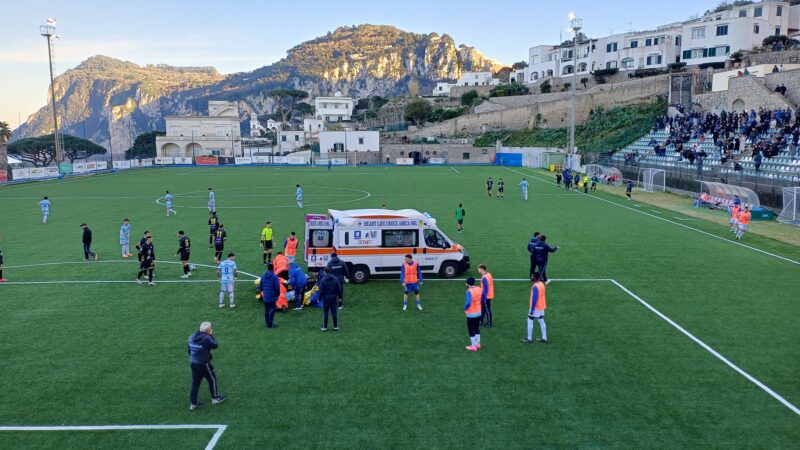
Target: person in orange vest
{"x": 744, "y": 219}
{"x": 472, "y": 308}
{"x": 411, "y": 278}
{"x": 281, "y": 264}
{"x": 536, "y": 307}
{"x": 487, "y": 295}
{"x": 735, "y": 210}
{"x": 290, "y": 247}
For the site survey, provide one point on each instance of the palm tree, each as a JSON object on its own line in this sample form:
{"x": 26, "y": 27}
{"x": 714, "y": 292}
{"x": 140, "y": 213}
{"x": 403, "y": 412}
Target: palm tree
{"x": 5, "y": 132}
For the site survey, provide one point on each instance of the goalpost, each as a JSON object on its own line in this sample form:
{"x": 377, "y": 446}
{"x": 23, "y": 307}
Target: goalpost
{"x": 652, "y": 179}
{"x": 791, "y": 206}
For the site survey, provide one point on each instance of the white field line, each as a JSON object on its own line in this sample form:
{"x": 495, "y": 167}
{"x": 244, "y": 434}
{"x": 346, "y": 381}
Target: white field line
{"x": 702, "y": 344}
{"x": 733, "y": 366}
{"x": 155, "y": 280}
{"x": 211, "y": 443}
{"x": 115, "y": 261}
{"x": 533, "y": 176}
{"x": 196, "y": 171}
{"x": 455, "y": 170}
{"x": 36, "y": 184}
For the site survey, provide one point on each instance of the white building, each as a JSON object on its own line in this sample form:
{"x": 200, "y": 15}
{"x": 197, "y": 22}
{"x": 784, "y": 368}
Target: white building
{"x": 467, "y": 79}
{"x": 334, "y": 109}
{"x": 714, "y": 36}
{"x": 216, "y": 134}
{"x": 290, "y": 140}
{"x": 708, "y": 39}
{"x": 349, "y": 141}
{"x": 313, "y": 126}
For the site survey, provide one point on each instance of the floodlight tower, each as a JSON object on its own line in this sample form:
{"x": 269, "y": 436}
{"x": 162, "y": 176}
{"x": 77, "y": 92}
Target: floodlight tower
{"x": 48, "y": 31}
{"x": 575, "y": 25}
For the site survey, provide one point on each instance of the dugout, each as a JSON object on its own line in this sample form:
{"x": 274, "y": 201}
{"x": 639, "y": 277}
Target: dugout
{"x": 722, "y": 195}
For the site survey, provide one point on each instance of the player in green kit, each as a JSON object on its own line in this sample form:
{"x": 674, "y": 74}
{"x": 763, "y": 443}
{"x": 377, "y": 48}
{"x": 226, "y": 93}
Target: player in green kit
{"x": 460, "y": 213}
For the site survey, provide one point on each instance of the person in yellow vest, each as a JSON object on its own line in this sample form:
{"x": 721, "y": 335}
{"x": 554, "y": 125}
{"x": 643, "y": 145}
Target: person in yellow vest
{"x": 411, "y": 278}
{"x": 472, "y": 308}
{"x": 585, "y": 184}
{"x": 290, "y": 247}
{"x": 536, "y": 307}
{"x": 487, "y": 295}
{"x": 266, "y": 242}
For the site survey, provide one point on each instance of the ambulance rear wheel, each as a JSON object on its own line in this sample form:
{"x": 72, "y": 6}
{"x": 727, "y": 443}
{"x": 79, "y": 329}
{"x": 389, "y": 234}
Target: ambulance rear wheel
{"x": 359, "y": 274}
{"x": 449, "y": 270}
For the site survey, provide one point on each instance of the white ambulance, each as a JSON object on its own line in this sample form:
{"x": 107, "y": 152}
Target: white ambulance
{"x": 375, "y": 242}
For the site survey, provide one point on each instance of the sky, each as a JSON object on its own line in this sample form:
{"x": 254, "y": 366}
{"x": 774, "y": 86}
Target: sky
{"x": 242, "y": 35}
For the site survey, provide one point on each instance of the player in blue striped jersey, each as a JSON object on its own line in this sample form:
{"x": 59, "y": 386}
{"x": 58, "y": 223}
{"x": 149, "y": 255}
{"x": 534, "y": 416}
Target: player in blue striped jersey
{"x": 227, "y": 274}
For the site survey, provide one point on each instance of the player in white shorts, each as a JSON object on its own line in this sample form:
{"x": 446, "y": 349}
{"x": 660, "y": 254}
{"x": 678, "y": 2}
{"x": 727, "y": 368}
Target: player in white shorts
{"x": 227, "y": 274}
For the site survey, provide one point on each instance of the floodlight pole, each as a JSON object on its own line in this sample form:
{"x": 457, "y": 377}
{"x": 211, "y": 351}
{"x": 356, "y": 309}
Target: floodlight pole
{"x": 575, "y": 25}
{"x": 48, "y": 31}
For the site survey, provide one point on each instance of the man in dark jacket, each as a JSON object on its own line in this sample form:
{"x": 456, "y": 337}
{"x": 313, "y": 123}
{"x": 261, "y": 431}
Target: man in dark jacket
{"x": 87, "y": 243}
{"x": 329, "y": 291}
{"x": 298, "y": 281}
{"x": 542, "y": 252}
{"x": 339, "y": 269}
{"x": 270, "y": 288}
{"x": 531, "y": 246}
{"x": 200, "y": 345}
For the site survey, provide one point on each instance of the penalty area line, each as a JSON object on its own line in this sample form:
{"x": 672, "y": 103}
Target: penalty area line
{"x": 675, "y": 325}
{"x": 209, "y": 446}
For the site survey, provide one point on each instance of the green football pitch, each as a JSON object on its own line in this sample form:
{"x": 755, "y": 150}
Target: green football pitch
{"x": 664, "y": 331}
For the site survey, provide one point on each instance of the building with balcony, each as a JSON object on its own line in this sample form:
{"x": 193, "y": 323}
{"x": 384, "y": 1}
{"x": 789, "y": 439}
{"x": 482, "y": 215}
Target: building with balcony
{"x": 216, "y": 134}
{"x": 334, "y": 109}
{"x": 348, "y": 141}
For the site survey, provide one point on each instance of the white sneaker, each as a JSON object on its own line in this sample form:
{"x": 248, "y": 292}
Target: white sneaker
{"x": 186, "y": 275}
{"x": 419, "y": 306}
{"x": 151, "y": 283}
{"x": 233, "y": 305}
{"x": 221, "y": 305}
{"x": 138, "y": 281}
{"x": 405, "y": 307}
{"x": 547, "y": 282}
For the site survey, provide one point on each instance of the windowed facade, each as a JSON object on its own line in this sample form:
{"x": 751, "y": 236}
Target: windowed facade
{"x": 627, "y": 63}
{"x": 758, "y": 11}
{"x": 777, "y": 31}
{"x": 756, "y": 28}
{"x": 611, "y": 65}
{"x": 722, "y": 30}
{"x": 698, "y": 33}
{"x": 653, "y": 60}
{"x": 634, "y": 44}
{"x": 779, "y": 11}
{"x": 611, "y": 47}
{"x": 648, "y": 42}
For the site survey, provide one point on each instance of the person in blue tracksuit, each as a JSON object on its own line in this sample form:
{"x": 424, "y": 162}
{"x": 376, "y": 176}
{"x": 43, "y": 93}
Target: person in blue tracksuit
{"x": 531, "y": 246}
{"x": 199, "y": 347}
{"x": 298, "y": 281}
{"x": 270, "y": 288}
{"x": 329, "y": 291}
{"x": 542, "y": 252}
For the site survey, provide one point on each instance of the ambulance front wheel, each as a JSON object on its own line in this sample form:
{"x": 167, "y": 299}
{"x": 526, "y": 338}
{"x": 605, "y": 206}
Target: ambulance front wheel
{"x": 359, "y": 274}
{"x": 449, "y": 270}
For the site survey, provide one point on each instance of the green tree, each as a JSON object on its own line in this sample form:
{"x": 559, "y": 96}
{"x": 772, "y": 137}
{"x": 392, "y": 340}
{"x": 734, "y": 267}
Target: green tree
{"x": 417, "y": 111}
{"x": 519, "y": 65}
{"x": 584, "y": 80}
{"x": 5, "y": 132}
{"x": 304, "y": 109}
{"x": 546, "y": 87}
{"x": 144, "y": 146}
{"x": 506, "y": 90}
{"x": 286, "y": 100}
{"x": 40, "y": 150}
{"x": 468, "y": 98}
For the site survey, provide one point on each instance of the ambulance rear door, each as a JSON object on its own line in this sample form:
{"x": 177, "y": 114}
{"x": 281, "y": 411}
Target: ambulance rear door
{"x": 318, "y": 240}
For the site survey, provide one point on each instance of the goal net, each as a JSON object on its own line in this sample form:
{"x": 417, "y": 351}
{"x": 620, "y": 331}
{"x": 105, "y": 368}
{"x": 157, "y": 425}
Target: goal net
{"x": 791, "y": 206}
{"x": 604, "y": 175}
{"x": 652, "y": 180}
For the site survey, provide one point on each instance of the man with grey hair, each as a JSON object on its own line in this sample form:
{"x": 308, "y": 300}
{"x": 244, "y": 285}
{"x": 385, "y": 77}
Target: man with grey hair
{"x": 200, "y": 345}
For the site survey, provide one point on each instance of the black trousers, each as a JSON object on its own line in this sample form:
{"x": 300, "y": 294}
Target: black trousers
{"x": 541, "y": 267}
{"x": 486, "y": 312}
{"x": 533, "y": 266}
{"x": 269, "y": 313}
{"x": 329, "y": 305}
{"x": 341, "y": 283}
{"x": 200, "y": 371}
{"x": 299, "y": 295}
{"x": 473, "y": 326}
{"x": 87, "y": 251}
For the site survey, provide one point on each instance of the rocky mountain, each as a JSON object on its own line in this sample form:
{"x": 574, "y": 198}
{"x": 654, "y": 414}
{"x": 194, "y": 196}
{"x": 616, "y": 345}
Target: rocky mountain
{"x": 111, "y": 101}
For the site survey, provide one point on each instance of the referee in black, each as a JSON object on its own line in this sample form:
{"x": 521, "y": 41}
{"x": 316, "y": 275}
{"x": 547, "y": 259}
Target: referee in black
{"x": 199, "y": 347}
{"x": 87, "y": 243}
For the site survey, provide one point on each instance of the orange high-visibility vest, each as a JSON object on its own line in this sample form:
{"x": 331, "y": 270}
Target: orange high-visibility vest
{"x": 488, "y": 279}
{"x": 291, "y": 247}
{"x": 735, "y": 212}
{"x": 411, "y": 272}
{"x": 475, "y": 305}
{"x": 280, "y": 264}
{"x": 744, "y": 217}
{"x": 539, "y": 302}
